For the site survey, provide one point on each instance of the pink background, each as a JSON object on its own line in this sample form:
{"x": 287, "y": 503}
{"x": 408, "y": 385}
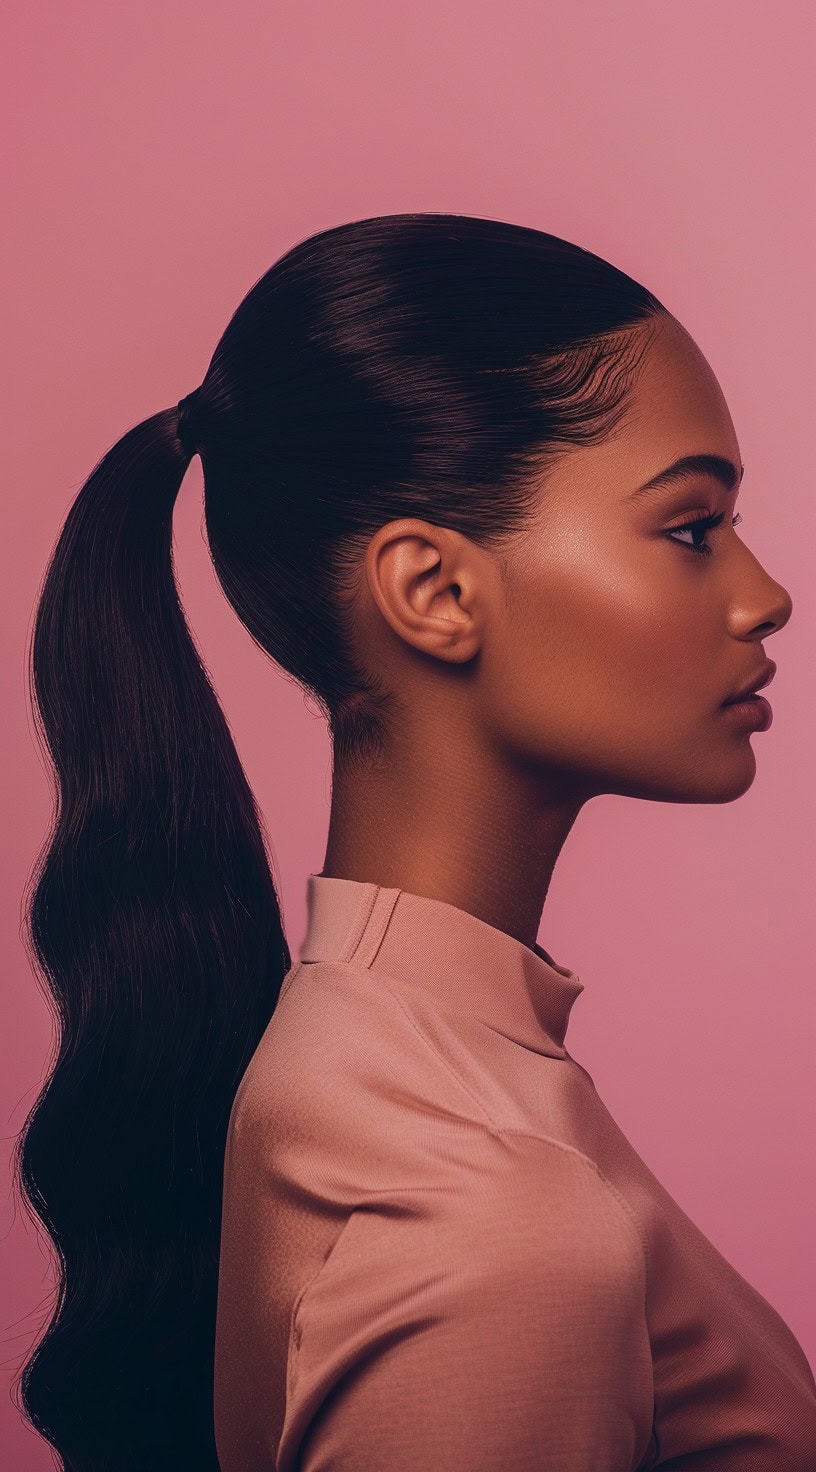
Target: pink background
{"x": 163, "y": 156}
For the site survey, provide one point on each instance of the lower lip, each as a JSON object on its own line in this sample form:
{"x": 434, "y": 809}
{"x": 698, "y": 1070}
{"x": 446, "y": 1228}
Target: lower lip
{"x": 753, "y": 711}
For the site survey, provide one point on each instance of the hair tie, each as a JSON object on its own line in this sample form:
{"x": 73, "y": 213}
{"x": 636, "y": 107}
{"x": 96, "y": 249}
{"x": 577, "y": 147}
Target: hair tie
{"x": 189, "y": 421}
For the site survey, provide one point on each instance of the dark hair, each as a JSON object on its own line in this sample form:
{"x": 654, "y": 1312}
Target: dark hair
{"x": 424, "y": 365}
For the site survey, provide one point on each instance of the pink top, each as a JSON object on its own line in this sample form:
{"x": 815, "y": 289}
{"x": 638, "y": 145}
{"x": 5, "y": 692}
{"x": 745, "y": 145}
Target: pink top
{"x": 440, "y": 1253}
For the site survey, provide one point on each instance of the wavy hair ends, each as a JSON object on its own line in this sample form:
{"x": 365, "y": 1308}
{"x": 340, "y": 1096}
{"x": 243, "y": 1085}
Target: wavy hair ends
{"x": 156, "y": 925}
{"x": 404, "y": 365}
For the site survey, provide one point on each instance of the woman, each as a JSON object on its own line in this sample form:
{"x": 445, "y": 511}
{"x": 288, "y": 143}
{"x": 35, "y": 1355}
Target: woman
{"x": 474, "y": 489}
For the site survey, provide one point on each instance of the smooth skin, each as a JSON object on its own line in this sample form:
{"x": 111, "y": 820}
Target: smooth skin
{"x": 591, "y": 656}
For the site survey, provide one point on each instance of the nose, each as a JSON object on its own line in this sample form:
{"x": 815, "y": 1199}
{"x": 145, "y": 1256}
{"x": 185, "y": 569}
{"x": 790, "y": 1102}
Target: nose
{"x": 764, "y": 606}
{"x": 780, "y": 610}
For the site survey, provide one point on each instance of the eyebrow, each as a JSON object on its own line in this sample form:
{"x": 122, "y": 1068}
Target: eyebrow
{"x": 725, "y": 471}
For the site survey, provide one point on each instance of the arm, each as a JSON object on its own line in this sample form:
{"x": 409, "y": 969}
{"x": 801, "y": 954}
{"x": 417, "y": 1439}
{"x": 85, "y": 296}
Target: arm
{"x": 470, "y": 1332}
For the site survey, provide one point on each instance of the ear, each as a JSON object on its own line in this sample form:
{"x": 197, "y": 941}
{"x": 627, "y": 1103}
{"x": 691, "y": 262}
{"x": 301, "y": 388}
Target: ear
{"x": 429, "y": 584}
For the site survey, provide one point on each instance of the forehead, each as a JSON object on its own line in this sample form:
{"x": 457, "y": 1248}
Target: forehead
{"x": 677, "y": 395}
{"x": 675, "y": 408}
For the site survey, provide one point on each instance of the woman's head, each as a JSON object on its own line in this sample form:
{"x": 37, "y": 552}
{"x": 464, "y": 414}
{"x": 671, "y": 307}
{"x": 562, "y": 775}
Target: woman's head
{"x": 425, "y": 366}
{"x": 499, "y": 392}
{"x": 496, "y": 384}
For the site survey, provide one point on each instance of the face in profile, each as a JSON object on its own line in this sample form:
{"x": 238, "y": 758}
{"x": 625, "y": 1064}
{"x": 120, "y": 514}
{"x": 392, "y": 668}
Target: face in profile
{"x": 594, "y": 653}
{"x": 622, "y": 633}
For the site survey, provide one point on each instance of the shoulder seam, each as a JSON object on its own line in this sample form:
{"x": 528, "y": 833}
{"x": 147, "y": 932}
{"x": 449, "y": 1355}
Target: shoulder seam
{"x": 498, "y": 1130}
{"x": 491, "y": 1123}
{"x": 428, "y": 1043}
{"x": 587, "y": 1160}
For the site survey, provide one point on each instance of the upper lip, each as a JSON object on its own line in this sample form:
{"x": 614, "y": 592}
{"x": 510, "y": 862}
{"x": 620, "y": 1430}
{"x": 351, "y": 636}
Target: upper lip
{"x": 762, "y": 678}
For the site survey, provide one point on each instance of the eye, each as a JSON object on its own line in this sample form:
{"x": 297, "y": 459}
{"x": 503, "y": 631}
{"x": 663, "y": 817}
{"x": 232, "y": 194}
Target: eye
{"x": 701, "y": 524}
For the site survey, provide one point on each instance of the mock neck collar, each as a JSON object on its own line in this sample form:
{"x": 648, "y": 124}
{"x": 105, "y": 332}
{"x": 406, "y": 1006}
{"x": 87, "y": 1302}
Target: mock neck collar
{"x": 450, "y": 957}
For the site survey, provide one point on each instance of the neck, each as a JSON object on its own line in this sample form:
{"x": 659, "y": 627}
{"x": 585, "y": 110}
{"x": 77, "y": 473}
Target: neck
{"x": 466, "y": 830}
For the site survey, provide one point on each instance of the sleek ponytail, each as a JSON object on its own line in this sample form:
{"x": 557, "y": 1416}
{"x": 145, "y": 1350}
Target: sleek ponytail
{"x": 157, "y": 924}
{"x": 405, "y": 365}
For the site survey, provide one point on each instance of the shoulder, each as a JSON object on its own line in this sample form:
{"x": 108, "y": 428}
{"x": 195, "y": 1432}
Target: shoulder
{"x": 343, "y": 1057}
{"x": 346, "y": 1085}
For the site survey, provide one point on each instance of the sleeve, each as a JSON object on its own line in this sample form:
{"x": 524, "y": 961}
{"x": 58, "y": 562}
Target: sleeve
{"x": 496, "y": 1327}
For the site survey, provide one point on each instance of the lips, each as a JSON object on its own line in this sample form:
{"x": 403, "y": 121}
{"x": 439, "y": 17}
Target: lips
{"x": 762, "y": 678}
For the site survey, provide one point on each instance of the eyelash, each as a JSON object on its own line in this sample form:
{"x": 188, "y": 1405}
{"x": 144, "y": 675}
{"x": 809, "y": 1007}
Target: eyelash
{"x": 705, "y": 523}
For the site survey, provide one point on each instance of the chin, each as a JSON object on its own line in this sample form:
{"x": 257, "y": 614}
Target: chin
{"x": 718, "y": 787}
{"x": 720, "y": 782}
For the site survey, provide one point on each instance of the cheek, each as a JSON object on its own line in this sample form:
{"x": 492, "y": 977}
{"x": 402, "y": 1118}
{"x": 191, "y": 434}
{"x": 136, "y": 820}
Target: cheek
{"x": 595, "y": 634}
